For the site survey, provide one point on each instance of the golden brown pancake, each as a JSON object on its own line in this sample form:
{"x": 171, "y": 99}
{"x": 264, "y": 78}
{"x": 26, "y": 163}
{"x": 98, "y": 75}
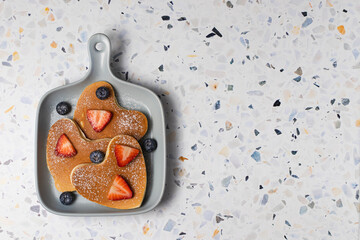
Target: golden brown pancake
{"x": 93, "y": 181}
{"x": 61, "y": 167}
{"x": 123, "y": 121}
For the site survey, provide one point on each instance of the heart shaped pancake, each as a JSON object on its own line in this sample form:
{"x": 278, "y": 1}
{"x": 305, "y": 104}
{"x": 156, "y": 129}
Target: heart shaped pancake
{"x": 66, "y": 148}
{"x": 100, "y": 116}
{"x": 97, "y": 182}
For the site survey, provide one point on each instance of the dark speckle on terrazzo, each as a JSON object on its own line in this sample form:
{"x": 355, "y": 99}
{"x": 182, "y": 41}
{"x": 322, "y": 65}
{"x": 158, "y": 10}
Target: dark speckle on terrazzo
{"x": 262, "y": 83}
{"x": 297, "y": 79}
{"x": 194, "y": 147}
{"x": 229, "y": 4}
{"x": 210, "y": 35}
{"x": 277, "y": 103}
{"x": 217, "y": 105}
{"x": 345, "y": 101}
{"x": 219, "y": 219}
{"x": 277, "y": 131}
{"x": 334, "y": 64}
{"x": 216, "y": 32}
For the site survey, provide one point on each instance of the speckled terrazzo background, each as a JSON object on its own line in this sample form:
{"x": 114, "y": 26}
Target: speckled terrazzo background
{"x": 262, "y": 106}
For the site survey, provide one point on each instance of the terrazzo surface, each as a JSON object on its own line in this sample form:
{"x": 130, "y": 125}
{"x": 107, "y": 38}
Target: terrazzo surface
{"x": 262, "y": 110}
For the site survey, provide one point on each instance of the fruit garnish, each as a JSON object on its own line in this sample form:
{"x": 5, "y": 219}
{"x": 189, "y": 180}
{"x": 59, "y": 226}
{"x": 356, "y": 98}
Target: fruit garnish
{"x": 102, "y": 93}
{"x": 64, "y": 148}
{"x": 67, "y": 198}
{"x": 149, "y": 145}
{"x": 98, "y": 119}
{"x": 97, "y": 156}
{"x": 63, "y": 108}
{"x": 119, "y": 190}
{"x": 125, "y": 154}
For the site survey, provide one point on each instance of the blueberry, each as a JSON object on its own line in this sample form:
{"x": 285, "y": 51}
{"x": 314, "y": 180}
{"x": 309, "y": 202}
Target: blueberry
{"x": 102, "y": 93}
{"x": 97, "y": 156}
{"x": 149, "y": 145}
{"x": 67, "y": 198}
{"x": 63, "y": 108}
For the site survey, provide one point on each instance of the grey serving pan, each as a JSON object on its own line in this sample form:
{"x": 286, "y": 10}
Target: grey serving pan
{"x": 129, "y": 96}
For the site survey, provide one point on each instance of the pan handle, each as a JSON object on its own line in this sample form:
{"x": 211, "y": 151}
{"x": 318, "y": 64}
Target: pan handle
{"x": 99, "y": 52}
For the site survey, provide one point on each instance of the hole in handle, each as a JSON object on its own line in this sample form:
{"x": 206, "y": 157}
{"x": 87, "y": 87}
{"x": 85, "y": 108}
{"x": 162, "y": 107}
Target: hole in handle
{"x": 99, "y": 46}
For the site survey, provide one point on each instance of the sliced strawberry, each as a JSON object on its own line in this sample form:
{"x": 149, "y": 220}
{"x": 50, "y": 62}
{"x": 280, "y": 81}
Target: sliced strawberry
{"x": 125, "y": 154}
{"x": 64, "y": 148}
{"x": 98, "y": 119}
{"x": 119, "y": 190}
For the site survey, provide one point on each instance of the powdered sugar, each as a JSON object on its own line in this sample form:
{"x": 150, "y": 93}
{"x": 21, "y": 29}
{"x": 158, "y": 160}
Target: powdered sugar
{"x": 128, "y": 122}
{"x": 61, "y": 167}
{"x": 93, "y": 181}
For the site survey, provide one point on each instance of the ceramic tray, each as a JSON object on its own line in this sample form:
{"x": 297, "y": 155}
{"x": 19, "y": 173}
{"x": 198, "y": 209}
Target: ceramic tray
{"x": 129, "y": 96}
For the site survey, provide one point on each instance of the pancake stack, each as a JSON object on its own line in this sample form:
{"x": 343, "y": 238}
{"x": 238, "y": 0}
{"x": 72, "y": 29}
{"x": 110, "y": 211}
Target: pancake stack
{"x": 97, "y": 153}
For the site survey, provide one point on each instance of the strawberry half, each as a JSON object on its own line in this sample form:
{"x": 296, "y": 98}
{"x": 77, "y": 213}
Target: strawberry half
{"x": 64, "y": 148}
{"x": 98, "y": 119}
{"x": 119, "y": 190}
{"x": 125, "y": 154}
